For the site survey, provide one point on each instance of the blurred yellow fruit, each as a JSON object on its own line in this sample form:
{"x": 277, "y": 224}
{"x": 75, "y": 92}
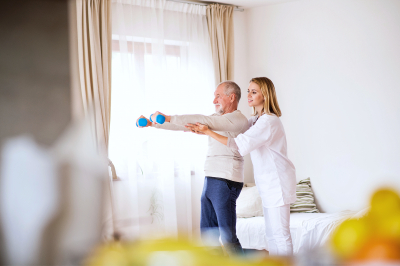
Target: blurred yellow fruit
{"x": 390, "y": 227}
{"x": 112, "y": 254}
{"x": 169, "y": 252}
{"x": 385, "y": 203}
{"x": 350, "y": 236}
{"x": 174, "y": 252}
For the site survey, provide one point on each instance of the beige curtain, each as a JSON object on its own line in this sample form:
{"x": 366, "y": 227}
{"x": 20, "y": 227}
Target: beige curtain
{"x": 93, "y": 39}
{"x": 220, "y": 28}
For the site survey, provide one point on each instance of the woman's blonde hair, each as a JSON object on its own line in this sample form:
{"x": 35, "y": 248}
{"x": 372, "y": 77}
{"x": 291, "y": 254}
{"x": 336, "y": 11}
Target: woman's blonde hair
{"x": 271, "y": 105}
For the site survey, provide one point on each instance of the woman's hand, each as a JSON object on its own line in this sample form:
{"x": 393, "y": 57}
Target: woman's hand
{"x": 198, "y": 128}
{"x": 204, "y": 130}
{"x": 153, "y": 117}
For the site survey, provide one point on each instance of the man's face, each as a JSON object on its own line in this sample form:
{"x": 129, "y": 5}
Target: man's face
{"x": 221, "y": 101}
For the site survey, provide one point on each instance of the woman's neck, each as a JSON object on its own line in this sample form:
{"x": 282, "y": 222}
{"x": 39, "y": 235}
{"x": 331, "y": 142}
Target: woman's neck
{"x": 259, "y": 109}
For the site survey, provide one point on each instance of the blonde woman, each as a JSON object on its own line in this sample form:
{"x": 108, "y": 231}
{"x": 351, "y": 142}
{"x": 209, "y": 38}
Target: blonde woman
{"x": 274, "y": 173}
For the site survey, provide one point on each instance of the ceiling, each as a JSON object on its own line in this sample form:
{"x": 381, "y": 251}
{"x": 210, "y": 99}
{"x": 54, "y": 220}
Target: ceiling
{"x": 250, "y": 3}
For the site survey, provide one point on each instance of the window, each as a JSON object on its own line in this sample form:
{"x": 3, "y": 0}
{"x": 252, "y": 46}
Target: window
{"x": 161, "y": 61}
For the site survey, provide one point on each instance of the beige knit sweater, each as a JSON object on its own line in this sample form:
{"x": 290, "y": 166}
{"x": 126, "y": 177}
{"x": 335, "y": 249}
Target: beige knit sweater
{"x": 221, "y": 161}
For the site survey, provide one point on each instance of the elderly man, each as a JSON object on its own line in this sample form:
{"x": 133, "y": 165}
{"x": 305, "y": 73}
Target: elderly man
{"x": 223, "y": 167}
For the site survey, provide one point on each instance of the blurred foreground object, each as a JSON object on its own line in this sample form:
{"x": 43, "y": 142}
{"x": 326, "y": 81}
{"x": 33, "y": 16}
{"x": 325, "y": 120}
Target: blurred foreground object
{"x": 51, "y": 200}
{"x": 169, "y": 252}
{"x": 374, "y": 238}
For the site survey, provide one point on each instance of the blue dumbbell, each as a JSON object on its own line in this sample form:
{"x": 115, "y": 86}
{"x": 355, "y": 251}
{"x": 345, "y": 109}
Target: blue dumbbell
{"x": 142, "y": 122}
{"x": 159, "y": 119}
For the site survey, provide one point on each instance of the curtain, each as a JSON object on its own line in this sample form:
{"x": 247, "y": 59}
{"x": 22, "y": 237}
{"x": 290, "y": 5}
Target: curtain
{"x": 161, "y": 61}
{"x": 93, "y": 37}
{"x": 220, "y": 27}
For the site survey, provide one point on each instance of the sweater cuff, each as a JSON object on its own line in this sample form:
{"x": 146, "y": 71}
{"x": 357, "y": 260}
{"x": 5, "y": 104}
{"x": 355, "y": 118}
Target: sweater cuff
{"x": 232, "y": 144}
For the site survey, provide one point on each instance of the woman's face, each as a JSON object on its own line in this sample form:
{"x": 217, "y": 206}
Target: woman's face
{"x": 254, "y": 95}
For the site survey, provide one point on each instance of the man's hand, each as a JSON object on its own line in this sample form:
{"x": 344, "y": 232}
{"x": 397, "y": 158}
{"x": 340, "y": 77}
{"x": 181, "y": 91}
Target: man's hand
{"x": 153, "y": 117}
{"x": 198, "y": 128}
{"x": 148, "y": 122}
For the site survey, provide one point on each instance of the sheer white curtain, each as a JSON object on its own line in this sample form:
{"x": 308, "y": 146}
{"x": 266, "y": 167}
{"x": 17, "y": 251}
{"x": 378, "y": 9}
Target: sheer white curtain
{"x": 161, "y": 61}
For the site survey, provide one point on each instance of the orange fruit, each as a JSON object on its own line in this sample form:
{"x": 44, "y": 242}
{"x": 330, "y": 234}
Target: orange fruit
{"x": 378, "y": 249}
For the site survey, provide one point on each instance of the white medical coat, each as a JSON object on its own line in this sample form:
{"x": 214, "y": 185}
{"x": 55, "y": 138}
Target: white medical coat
{"x": 274, "y": 173}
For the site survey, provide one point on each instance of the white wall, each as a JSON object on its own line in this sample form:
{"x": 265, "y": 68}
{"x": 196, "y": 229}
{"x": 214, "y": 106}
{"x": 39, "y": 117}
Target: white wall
{"x": 336, "y": 68}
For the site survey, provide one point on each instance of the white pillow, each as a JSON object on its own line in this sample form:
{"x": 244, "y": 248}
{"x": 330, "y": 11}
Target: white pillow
{"x": 249, "y": 203}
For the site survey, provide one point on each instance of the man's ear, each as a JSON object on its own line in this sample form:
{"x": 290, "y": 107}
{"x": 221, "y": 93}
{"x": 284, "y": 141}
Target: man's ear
{"x": 232, "y": 97}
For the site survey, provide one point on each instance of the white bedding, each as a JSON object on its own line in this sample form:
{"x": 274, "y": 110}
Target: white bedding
{"x": 308, "y": 230}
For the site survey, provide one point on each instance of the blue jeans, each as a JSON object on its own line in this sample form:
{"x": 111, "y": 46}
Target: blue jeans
{"x": 218, "y": 211}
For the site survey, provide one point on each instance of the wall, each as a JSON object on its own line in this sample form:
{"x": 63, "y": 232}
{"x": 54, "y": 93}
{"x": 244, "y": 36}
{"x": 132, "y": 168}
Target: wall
{"x": 335, "y": 65}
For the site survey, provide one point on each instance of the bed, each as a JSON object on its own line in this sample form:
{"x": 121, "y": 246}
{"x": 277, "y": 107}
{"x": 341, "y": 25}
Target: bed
{"x": 308, "y": 230}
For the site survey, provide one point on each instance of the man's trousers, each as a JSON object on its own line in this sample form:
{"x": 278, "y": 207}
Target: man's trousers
{"x": 218, "y": 213}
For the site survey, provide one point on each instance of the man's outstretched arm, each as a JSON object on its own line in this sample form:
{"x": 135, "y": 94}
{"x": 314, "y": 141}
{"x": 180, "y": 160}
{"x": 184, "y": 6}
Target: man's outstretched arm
{"x": 232, "y": 122}
{"x": 170, "y": 126}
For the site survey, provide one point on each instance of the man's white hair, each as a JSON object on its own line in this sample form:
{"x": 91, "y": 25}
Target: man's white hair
{"x": 231, "y": 87}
